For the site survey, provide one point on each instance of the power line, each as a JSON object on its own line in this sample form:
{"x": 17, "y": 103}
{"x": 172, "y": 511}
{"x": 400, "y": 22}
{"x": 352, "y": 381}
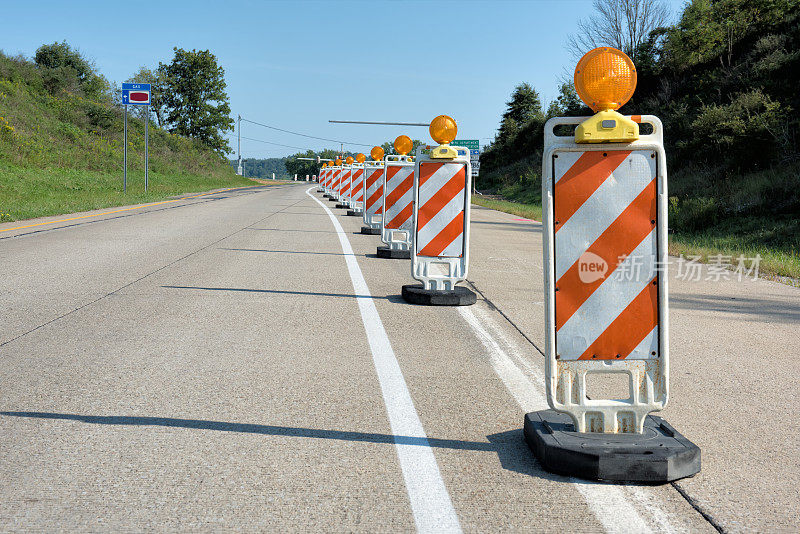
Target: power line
{"x": 278, "y": 144}
{"x": 304, "y": 135}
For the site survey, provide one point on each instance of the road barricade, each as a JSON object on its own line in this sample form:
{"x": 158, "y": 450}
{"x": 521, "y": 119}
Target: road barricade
{"x": 356, "y": 191}
{"x": 373, "y": 198}
{"x": 397, "y": 209}
{"x": 441, "y": 211}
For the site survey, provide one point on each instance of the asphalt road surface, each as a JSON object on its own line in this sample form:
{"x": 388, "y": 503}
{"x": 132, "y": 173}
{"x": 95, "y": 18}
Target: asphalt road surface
{"x": 243, "y": 361}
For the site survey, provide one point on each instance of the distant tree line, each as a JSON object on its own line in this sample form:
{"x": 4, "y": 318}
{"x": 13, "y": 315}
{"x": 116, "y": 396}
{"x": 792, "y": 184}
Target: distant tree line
{"x": 724, "y": 81}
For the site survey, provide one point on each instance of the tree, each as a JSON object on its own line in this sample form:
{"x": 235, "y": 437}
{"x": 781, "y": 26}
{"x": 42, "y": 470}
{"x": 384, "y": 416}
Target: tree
{"x": 524, "y": 107}
{"x": 157, "y": 91}
{"x": 567, "y": 103}
{"x": 65, "y": 69}
{"x": 303, "y": 167}
{"x": 195, "y": 99}
{"x": 623, "y": 24}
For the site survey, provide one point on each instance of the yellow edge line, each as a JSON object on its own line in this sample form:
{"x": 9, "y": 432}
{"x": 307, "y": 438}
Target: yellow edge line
{"x": 124, "y": 209}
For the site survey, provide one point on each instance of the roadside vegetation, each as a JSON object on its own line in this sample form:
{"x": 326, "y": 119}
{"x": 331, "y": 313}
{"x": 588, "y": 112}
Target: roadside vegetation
{"x": 724, "y": 81}
{"x": 61, "y": 141}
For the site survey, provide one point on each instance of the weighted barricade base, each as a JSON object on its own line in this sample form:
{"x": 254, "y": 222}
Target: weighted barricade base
{"x": 331, "y": 199}
{"x": 342, "y": 206}
{"x": 366, "y": 230}
{"x": 459, "y": 296}
{"x": 320, "y": 190}
{"x": 393, "y": 254}
{"x": 354, "y": 213}
{"x": 660, "y": 454}
{"x": 326, "y": 195}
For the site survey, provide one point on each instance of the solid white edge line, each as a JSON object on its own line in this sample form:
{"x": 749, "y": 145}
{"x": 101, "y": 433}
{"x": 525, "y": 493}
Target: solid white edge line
{"x": 430, "y": 503}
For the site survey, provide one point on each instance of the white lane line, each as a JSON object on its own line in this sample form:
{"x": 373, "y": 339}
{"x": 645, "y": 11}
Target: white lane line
{"x": 609, "y": 503}
{"x": 430, "y": 503}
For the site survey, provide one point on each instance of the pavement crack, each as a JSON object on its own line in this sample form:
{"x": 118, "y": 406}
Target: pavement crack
{"x": 506, "y": 317}
{"x": 82, "y": 306}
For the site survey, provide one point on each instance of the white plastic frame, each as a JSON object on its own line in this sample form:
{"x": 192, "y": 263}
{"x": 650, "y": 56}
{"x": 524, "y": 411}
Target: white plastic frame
{"x": 648, "y": 380}
{"x": 370, "y": 166}
{"x": 351, "y": 201}
{"x": 440, "y": 273}
{"x": 390, "y": 236}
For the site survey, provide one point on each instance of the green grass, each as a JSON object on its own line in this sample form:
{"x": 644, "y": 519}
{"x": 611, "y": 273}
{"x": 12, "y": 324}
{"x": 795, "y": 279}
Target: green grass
{"x": 772, "y": 238}
{"x": 27, "y": 193}
{"x": 529, "y": 211}
{"x": 61, "y": 151}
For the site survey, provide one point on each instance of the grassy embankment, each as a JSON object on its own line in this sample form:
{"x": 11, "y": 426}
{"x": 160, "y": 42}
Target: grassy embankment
{"x": 731, "y": 223}
{"x": 61, "y": 152}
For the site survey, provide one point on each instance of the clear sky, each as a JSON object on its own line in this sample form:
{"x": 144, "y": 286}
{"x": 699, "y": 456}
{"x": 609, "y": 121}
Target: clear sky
{"x": 295, "y": 65}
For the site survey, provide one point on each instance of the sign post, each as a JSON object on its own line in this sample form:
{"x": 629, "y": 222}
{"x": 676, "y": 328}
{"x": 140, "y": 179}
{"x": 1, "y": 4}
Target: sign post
{"x": 135, "y": 94}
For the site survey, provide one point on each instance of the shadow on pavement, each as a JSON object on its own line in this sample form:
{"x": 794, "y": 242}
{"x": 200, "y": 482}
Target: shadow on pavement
{"x": 509, "y": 446}
{"x": 290, "y": 251}
{"x": 758, "y": 309}
{"x": 527, "y": 227}
{"x": 279, "y": 292}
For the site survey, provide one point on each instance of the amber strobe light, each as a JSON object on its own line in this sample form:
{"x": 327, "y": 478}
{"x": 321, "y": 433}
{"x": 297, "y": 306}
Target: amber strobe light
{"x": 403, "y": 145}
{"x": 376, "y": 153}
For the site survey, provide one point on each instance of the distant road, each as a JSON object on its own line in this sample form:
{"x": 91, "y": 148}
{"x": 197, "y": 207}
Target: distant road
{"x": 241, "y": 361}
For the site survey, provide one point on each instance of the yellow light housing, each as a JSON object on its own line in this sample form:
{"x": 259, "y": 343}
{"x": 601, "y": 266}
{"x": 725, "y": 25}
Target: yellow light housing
{"x": 443, "y": 129}
{"x": 376, "y": 153}
{"x": 605, "y": 78}
{"x": 361, "y": 158}
{"x": 403, "y": 145}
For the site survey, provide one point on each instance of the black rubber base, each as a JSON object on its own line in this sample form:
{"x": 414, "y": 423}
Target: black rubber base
{"x": 326, "y": 195}
{"x": 393, "y": 254}
{"x": 353, "y": 213}
{"x": 659, "y": 455}
{"x": 342, "y": 206}
{"x": 320, "y": 190}
{"x": 331, "y": 199}
{"x": 366, "y": 230}
{"x": 460, "y": 296}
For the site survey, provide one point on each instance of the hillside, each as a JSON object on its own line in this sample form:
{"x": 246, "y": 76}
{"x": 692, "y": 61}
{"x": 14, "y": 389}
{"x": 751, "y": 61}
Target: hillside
{"x": 61, "y": 147}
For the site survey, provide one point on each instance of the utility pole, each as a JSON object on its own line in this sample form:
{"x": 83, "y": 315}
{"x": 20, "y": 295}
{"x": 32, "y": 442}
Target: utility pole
{"x": 239, "y": 170}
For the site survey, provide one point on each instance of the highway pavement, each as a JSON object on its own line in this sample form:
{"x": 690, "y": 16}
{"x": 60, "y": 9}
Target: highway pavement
{"x": 243, "y": 361}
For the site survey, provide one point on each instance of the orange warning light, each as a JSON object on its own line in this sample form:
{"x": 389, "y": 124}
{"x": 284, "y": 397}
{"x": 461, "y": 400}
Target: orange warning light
{"x": 443, "y": 129}
{"x": 605, "y": 78}
{"x": 376, "y": 153}
{"x": 338, "y": 161}
{"x": 403, "y": 144}
{"x": 361, "y": 158}
{"x": 349, "y": 160}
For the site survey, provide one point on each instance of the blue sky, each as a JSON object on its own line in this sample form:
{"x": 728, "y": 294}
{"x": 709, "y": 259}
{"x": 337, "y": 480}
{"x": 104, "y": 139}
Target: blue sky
{"x": 295, "y": 65}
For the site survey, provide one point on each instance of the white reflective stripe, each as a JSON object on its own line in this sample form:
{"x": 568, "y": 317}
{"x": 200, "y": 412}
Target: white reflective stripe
{"x": 398, "y": 206}
{"x": 436, "y": 181}
{"x": 373, "y": 189}
{"x": 580, "y": 231}
{"x": 646, "y": 348}
{"x": 430, "y": 503}
{"x": 397, "y": 179}
{"x": 455, "y": 249}
{"x": 563, "y": 162}
{"x": 445, "y": 216}
{"x": 608, "y": 300}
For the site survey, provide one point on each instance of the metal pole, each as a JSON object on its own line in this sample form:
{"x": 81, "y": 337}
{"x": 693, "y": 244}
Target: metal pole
{"x": 384, "y": 123}
{"x": 125, "y": 154}
{"x": 239, "y": 142}
{"x": 146, "y": 143}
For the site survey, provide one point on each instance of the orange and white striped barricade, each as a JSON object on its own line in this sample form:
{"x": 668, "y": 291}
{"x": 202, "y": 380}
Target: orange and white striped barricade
{"x": 440, "y": 251}
{"x": 606, "y": 311}
{"x": 373, "y": 198}
{"x": 397, "y": 209}
{"x": 356, "y": 191}
{"x": 321, "y": 181}
{"x": 336, "y": 176}
{"x": 344, "y": 187}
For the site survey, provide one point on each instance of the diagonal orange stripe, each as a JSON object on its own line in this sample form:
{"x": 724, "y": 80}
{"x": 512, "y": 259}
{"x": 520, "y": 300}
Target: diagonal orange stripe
{"x": 429, "y": 169}
{"x": 629, "y": 328}
{"x": 372, "y": 178}
{"x": 438, "y": 201}
{"x": 375, "y": 197}
{"x": 582, "y": 180}
{"x": 620, "y": 238}
{"x": 453, "y": 229}
{"x": 401, "y": 189}
{"x": 400, "y": 218}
